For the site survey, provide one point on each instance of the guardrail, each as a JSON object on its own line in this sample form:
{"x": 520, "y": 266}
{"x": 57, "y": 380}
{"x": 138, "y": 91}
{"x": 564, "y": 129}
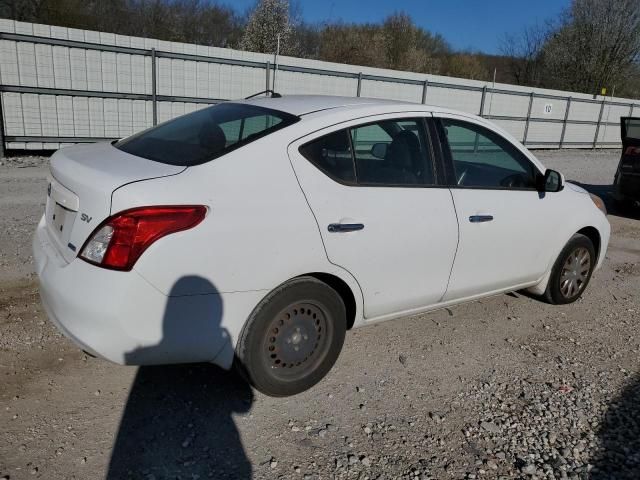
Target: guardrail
{"x": 358, "y": 78}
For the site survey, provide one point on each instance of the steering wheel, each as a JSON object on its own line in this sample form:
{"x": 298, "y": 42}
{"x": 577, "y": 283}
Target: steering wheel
{"x": 461, "y": 177}
{"x": 516, "y": 180}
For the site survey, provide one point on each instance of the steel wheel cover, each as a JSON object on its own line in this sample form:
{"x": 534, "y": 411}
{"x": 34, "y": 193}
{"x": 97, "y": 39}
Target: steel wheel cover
{"x": 297, "y": 340}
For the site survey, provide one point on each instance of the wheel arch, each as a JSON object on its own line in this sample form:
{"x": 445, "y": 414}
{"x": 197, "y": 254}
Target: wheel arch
{"x": 592, "y": 234}
{"x": 343, "y": 289}
{"x": 589, "y": 231}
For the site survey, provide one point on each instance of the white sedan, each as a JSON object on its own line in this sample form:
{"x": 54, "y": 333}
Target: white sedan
{"x": 257, "y": 232}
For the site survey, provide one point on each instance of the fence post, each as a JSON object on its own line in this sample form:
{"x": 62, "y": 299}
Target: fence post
{"x": 484, "y": 95}
{"x": 526, "y": 125}
{"x": 424, "y": 91}
{"x": 2, "y": 147}
{"x": 359, "y": 84}
{"x": 564, "y": 122}
{"x": 595, "y": 138}
{"x": 154, "y": 92}
{"x": 267, "y": 80}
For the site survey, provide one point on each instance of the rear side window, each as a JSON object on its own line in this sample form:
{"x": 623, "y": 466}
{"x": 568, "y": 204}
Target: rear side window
{"x": 392, "y": 152}
{"x": 205, "y": 134}
{"x": 386, "y": 153}
{"x": 332, "y": 155}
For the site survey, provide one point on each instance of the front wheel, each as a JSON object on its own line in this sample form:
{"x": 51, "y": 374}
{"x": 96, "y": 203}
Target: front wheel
{"x": 292, "y": 338}
{"x": 572, "y": 271}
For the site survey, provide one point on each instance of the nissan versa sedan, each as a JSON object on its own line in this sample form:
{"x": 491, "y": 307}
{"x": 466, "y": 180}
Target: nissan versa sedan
{"x": 257, "y": 232}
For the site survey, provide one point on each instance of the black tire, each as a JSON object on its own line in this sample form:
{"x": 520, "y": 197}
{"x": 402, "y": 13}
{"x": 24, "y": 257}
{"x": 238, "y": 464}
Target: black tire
{"x": 560, "y": 290}
{"x": 292, "y": 338}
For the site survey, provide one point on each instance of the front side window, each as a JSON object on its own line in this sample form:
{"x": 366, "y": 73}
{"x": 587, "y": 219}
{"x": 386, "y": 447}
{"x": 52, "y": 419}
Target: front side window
{"x": 482, "y": 158}
{"x": 205, "y": 134}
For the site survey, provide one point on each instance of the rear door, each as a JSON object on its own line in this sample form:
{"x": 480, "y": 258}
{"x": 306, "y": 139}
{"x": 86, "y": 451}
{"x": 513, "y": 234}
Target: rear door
{"x": 504, "y": 221}
{"x": 382, "y": 214}
{"x": 628, "y": 175}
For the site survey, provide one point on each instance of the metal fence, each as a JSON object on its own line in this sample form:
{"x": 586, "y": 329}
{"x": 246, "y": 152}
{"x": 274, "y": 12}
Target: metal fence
{"x": 43, "y": 106}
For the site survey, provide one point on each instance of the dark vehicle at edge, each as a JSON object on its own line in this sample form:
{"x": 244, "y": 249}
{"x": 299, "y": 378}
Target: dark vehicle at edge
{"x": 626, "y": 184}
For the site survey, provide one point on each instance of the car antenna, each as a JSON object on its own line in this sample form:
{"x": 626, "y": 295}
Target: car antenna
{"x": 273, "y": 94}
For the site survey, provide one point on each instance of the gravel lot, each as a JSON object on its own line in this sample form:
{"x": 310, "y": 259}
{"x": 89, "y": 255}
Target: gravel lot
{"x": 506, "y": 387}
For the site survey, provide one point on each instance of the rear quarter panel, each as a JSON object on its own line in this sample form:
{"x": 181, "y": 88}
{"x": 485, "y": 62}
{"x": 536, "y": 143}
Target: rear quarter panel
{"x": 258, "y": 233}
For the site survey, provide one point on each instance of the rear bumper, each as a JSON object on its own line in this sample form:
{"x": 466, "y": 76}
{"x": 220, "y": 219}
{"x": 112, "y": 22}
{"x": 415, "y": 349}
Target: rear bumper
{"x": 121, "y": 317}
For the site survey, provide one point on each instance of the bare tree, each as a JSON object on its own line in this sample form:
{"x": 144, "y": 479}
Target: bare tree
{"x": 308, "y": 39}
{"x": 21, "y": 10}
{"x": 597, "y": 45}
{"x": 352, "y": 43}
{"x": 396, "y": 43}
{"x": 195, "y": 21}
{"x": 466, "y": 65}
{"x": 409, "y": 47}
{"x": 524, "y": 53}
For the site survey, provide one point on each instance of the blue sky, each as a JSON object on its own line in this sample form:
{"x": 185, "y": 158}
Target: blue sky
{"x": 465, "y": 24}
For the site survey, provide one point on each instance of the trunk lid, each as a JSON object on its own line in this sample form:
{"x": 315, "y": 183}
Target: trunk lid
{"x": 80, "y": 187}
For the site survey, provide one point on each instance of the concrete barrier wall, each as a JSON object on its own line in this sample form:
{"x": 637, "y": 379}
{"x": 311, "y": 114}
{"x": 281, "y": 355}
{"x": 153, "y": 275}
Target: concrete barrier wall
{"x": 62, "y": 85}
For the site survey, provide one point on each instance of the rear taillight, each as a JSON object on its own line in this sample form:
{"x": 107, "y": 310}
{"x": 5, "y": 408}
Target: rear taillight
{"x": 632, "y": 151}
{"x": 630, "y": 160}
{"x": 120, "y": 240}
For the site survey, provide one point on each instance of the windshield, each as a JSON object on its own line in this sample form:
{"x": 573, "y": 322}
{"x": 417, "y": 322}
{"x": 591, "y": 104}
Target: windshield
{"x": 205, "y": 134}
{"x": 630, "y": 128}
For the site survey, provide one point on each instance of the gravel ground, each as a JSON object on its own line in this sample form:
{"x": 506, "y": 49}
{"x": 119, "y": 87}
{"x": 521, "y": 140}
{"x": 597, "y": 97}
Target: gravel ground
{"x": 506, "y": 387}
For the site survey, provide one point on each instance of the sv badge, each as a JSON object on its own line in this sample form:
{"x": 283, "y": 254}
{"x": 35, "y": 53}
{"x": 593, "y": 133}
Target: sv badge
{"x": 85, "y": 218}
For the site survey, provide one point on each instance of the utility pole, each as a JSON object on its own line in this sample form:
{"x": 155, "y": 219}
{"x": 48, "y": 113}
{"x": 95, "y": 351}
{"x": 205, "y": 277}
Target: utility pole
{"x": 275, "y": 61}
{"x": 604, "y": 132}
{"x": 495, "y": 70}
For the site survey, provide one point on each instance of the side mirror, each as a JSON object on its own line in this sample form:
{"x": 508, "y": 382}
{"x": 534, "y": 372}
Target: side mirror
{"x": 552, "y": 181}
{"x": 379, "y": 150}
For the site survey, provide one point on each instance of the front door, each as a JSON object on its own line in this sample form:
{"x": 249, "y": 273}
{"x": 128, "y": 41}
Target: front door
{"x": 504, "y": 220}
{"x": 373, "y": 192}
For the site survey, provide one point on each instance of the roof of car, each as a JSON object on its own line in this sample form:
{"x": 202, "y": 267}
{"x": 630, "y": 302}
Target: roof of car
{"x": 327, "y": 105}
{"x": 305, "y": 104}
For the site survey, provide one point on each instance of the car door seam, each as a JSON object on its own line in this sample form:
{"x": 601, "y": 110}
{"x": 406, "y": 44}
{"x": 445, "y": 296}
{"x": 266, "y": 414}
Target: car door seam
{"x": 140, "y": 180}
{"x": 455, "y": 255}
{"x": 326, "y": 253}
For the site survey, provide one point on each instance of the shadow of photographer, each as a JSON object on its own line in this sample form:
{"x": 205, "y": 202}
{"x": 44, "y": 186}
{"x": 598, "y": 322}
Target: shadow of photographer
{"x": 178, "y": 420}
{"x": 618, "y": 457}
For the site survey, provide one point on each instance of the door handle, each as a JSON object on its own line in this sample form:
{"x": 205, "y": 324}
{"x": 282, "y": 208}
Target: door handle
{"x": 480, "y": 218}
{"x": 345, "y": 227}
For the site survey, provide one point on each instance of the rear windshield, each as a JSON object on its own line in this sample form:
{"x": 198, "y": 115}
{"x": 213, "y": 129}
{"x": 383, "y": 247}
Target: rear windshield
{"x": 205, "y": 134}
{"x": 630, "y": 128}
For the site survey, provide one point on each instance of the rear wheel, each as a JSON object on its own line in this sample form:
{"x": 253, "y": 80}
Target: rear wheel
{"x": 292, "y": 338}
{"x": 572, "y": 271}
